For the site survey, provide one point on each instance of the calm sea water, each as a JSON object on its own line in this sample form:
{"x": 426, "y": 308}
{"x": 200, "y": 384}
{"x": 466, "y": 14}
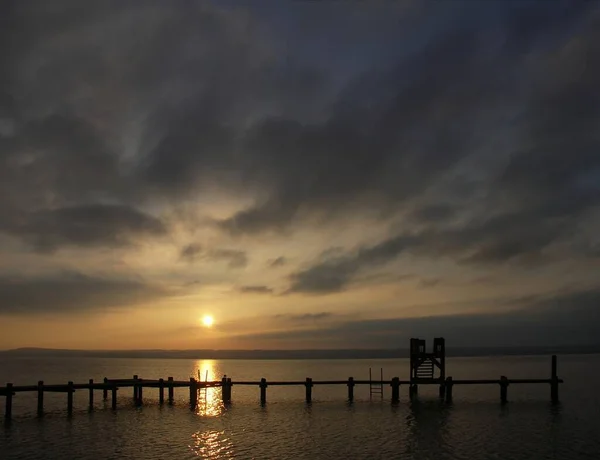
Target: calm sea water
{"x": 474, "y": 426}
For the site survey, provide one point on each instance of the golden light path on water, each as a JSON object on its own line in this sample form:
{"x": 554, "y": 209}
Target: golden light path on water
{"x": 210, "y": 443}
{"x": 209, "y": 399}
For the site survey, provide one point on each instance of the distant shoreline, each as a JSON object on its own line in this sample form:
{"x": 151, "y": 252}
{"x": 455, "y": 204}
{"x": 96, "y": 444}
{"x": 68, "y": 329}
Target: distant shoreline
{"x": 293, "y": 354}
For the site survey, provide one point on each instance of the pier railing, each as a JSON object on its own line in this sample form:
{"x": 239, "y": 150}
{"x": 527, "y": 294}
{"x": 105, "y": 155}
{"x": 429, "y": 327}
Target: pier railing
{"x": 226, "y": 384}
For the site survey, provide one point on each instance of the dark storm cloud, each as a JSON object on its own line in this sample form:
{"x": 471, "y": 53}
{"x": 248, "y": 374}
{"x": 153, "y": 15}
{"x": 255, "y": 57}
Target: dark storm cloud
{"x": 256, "y": 290}
{"x": 72, "y": 293}
{"x": 88, "y": 225}
{"x": 333, "y": 274}
{"x": 141, "y": 104}
{"x": 568, "y": 318}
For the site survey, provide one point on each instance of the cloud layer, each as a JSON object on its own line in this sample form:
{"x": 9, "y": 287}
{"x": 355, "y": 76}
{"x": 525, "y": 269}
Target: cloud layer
{"x": 220, "y": 143}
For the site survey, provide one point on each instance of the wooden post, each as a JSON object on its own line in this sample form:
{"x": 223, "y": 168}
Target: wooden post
{"x": 503, "y": 389}
{"x": 395, "y": 389}
{"x": 135, "y": 389}
{"x": 140, "y": 392}
{"x": 114, "y": 397}
{"x": 193, "y": 393}
{"x": 40, "y": 406}
{"x": 413, "y": 391}
{"x": 105, "y": 390}
{"x": 170, "y": 383}
{"x": 263, "y": 391}
{"x": 70, "y": 398}
{"x": 308, "y": 385}
{"x": 9, "y": 395}
{"x": 229, "y": 385}
{"x": 554, "y": 381}
{"x": 449, "y": 385}
{"x": 224, "y": 389}
{"x": 350, "y": 389}
{"x": 161, "y": 391}
{"x": 91, "y": 390}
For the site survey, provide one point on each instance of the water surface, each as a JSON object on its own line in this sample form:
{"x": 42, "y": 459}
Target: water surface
{"x": 474, "y": 426}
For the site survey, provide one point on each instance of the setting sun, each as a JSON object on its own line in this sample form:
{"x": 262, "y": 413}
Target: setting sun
{"x": 208, "y": 320}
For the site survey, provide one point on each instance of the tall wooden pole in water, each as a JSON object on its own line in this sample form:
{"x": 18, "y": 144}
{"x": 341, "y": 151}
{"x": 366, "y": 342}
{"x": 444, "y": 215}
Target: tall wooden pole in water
{"x": 350, "y": 389}
{"x": 91, "y": 405}
{"x": 554, "y": 381}
{"x": 9, "y": 395}
{"x": 193, "y": 393}
{"x": 308, "y": 386}
{"x": 161, "y": 391}
{"x": 263, "y": 391}
{"x": 105, "y": 390}
{"x": 503, "y": 389}
{"x": 70, "y": 391}
{"x": 40, "y": 405}
{"x": 170, "y": 380}
{"x": 135, "y": 389}
{"x": 395, "y": 389}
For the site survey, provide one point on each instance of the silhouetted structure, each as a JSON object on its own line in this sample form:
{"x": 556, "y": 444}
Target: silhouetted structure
{"x": 423, "y": 365}
{"x": 425, "y": 369}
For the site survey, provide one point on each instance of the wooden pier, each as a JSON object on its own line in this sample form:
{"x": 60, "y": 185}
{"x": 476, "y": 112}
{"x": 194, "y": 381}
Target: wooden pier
{"x": 226, "y": 384}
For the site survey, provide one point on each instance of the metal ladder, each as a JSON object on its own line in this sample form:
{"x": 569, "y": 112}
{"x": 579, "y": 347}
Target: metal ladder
{"x": 375, "y": 387}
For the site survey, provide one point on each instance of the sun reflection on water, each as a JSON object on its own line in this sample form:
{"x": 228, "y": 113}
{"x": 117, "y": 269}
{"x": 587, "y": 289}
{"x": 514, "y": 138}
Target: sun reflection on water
{"x": 209, "y": 399}
{"x": 212, "y": 444}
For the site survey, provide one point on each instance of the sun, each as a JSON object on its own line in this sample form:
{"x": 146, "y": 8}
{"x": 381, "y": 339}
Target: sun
{"x": 208, "y": 320}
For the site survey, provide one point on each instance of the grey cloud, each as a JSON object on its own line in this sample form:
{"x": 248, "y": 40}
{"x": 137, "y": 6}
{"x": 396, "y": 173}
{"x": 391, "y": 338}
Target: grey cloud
{"x": 305, "y": 317}
{"x": 234, "y": 258}
{"x": 190, "y": 252}
{"x": 256, "y": 290}
{"x": 72, "y": 293}
{"x": 333, "y": 274}
{"x": 87, "y": 225}
{"x": 277, "y": 262}
{"x": 568, "y": 318}
{"x": 429, "y": 283}
{"x": 109, "y": 117}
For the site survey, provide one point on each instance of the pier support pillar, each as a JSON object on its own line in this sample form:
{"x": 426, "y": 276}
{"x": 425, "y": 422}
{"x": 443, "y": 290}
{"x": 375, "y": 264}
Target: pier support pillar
{"x": 554, "y": 381}
{"x": 193, "y": 393}
{"x": 161, "y": 391}
{"x": 503, "y": 389}
{"x": 263, "y": 391}
{"x": 395, "y": 390}
{"x": 135, "y": 389}
{"x": 170, "y": 384}
{"x": 229, "y": 385}
{"x": 105, "y": 390}
{"x": 413, "y": 390}
{"x": 91, "y": 395}
{"x": 308, "y": 385}
{"x": 140, "y": 392}
{"x": 70, "y": 391}
{"x": 224, "y": 389}
{"x": 40, "y": 405}
{"x": 449, "y": 386}
{"x": 8, "y": 407}
{"x": 350, "y": 389}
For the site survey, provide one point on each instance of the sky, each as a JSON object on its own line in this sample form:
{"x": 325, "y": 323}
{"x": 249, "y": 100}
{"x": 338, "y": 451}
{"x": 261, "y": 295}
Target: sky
{"x": 310, "y": 174}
